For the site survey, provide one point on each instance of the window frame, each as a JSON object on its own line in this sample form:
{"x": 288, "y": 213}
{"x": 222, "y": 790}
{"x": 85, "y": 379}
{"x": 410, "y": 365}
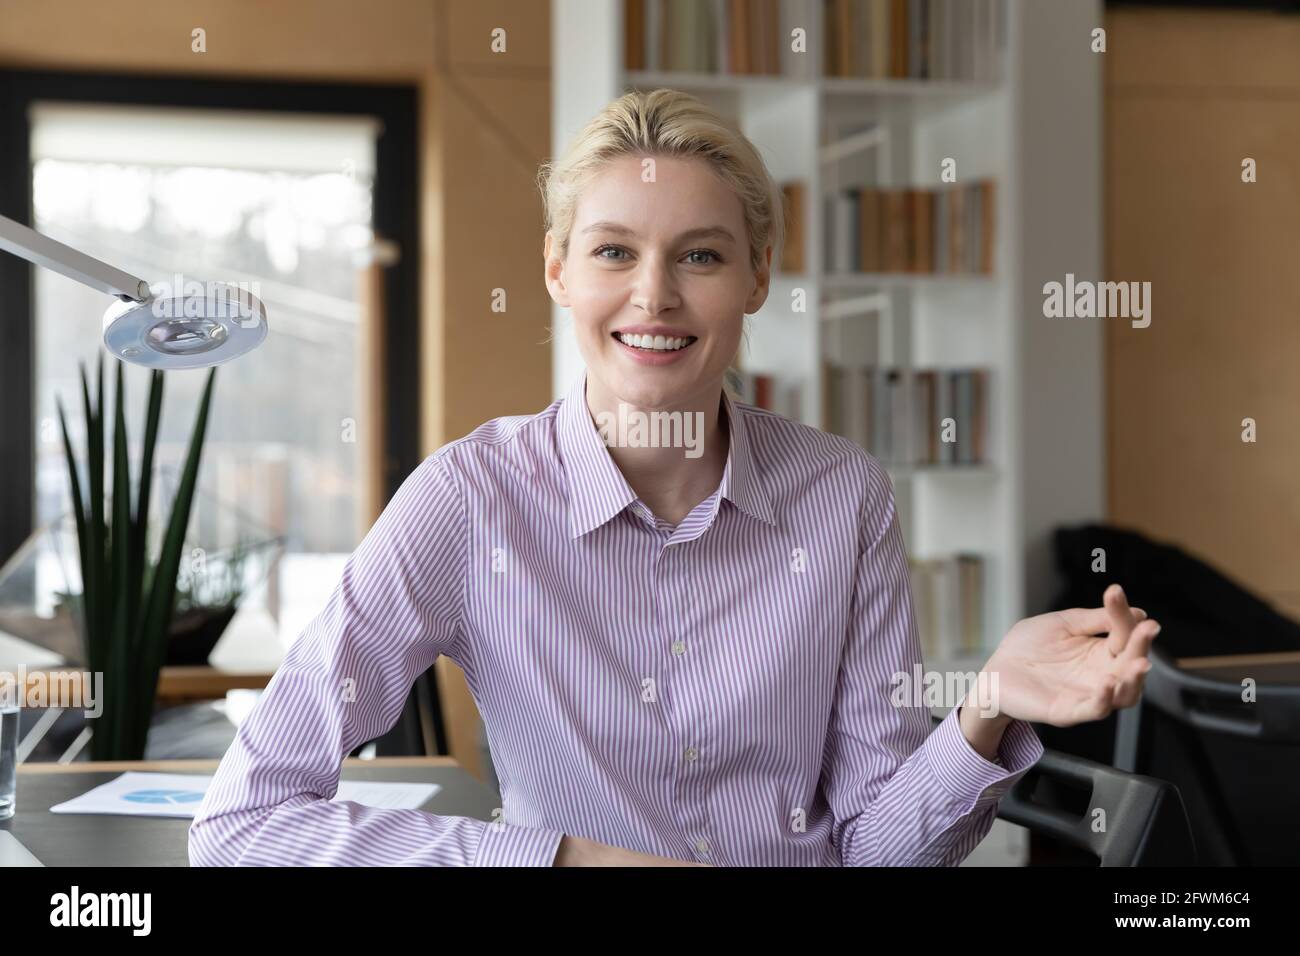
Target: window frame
{"x": 396, "y": 216}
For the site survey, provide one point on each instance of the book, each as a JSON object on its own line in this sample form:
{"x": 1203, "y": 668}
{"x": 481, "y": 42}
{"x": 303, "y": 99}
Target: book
{"x": 948, "y": 596}
{"x": 793, "y": 199}
{"x": 897, "y": 230}
{"x": 871, "y": 253}
{"x": 634, "y": 34}
{"x": 899, "y": 34}
{"x": 946, "y": 231}
{"x": 897, "y": 413}
{"x": 877, "y": 39}
{"x": 922, "y": 248}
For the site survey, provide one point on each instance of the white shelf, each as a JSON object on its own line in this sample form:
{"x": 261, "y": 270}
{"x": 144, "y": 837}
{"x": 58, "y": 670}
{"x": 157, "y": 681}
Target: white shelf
{"x": 856, "y": 281}
{"x": 652, "y": 79}
{"x": 863, "y": 87}
{"x": 952, "y": 90}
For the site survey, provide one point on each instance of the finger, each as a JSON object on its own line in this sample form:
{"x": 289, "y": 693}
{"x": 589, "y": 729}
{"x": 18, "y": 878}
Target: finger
{"x": 1139, "y": 642}
{"x": 1093, "y": 620}
{"x": 1121, "y": 619}
{"x": 1130, "y": 689}
{"x": 1102, "y": 701}
{"x": 1086, "y": 620}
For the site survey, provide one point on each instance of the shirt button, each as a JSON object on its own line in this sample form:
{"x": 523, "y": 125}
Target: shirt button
{"x": 679, "y": 648}
{"x": 691, "y": 754}
{"x": 702, "y": 846}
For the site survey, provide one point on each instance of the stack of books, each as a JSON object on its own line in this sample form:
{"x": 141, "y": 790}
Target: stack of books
{"x": 909, "y": 416}
{"x": 935, "y": 231}
{"x": 914, "y": 39}
{"x": 740, "y": 37}
{"x": 948, "y": 595}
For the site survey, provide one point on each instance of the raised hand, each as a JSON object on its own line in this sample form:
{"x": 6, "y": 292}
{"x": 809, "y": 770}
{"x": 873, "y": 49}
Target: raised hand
{"x": 1055, "y": 669}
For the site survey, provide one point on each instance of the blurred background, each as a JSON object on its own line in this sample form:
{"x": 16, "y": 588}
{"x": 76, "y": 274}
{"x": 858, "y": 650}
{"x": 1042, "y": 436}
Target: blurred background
{"x": 370, "y": 168}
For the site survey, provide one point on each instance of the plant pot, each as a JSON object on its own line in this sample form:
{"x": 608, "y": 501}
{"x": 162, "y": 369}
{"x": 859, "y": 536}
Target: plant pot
{"x": 194, "y": 633}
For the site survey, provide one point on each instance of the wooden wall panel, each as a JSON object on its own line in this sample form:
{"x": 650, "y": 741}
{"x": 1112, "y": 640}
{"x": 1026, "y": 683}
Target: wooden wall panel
{"x": 1189, "y": 95}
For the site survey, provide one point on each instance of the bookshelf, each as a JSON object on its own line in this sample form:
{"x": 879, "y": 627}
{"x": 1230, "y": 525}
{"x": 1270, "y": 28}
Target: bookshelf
{"x": 1021, "y": 94}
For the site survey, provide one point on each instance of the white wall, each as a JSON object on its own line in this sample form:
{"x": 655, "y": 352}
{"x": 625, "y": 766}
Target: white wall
{"x": 1059, "y": 165}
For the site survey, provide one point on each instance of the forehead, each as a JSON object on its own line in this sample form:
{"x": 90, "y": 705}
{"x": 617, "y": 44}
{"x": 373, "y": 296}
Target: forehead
{"x": 659, "y": 194}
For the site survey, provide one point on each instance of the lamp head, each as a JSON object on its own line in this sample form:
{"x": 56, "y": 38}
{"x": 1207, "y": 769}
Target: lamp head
{"x": 191, "y": 327}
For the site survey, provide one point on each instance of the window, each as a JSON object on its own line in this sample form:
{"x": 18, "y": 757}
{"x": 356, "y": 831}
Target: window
{"x": 280, "y": 203}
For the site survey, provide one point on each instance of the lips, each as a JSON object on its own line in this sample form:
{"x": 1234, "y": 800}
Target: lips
{"x": 651, "y": 356}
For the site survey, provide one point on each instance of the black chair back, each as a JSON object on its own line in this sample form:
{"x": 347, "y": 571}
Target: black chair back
{"x": 1234, "y": 760}
{"x": 1120, "y": 818}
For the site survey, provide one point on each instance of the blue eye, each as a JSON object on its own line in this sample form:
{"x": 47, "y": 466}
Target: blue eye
{"x": 599, "y": 253}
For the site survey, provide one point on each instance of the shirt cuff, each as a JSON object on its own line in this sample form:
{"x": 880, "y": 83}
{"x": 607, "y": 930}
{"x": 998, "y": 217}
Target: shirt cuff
{"x": 965, "y": 774}
{"x": 509, "y": 845}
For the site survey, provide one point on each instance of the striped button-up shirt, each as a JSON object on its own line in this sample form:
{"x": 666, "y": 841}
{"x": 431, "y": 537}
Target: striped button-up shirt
{"x": 720, "y": 691}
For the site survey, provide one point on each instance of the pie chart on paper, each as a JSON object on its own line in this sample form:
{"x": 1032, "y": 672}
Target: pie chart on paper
{"x": 164, "y": 796}
{"x": 139, "y": 793}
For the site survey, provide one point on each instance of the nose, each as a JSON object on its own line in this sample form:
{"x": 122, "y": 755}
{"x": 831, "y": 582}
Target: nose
{"x": 654, "y": 287}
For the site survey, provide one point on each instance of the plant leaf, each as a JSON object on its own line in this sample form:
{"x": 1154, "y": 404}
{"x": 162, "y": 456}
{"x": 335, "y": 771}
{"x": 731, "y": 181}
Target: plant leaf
{"x": 120, "y": 636}
{"x": 92, "y": 567}
{"x": 162, "y": 595}
{"x": 79, "y": 512}
{"x": 140, "y": 524}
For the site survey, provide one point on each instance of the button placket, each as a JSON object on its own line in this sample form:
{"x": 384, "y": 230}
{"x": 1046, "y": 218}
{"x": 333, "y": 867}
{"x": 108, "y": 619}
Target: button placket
{"x": 678, "y": 598}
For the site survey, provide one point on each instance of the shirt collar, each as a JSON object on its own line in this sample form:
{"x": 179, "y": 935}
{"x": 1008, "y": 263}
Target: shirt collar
{"x": 598, "y": 490}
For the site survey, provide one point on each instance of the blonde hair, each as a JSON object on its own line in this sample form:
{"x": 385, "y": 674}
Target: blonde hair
{"x": 664, "y": 122}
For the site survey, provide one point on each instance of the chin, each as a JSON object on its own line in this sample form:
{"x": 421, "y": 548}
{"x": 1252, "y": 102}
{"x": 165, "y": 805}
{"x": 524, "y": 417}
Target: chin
{"x": 655, "y": 388}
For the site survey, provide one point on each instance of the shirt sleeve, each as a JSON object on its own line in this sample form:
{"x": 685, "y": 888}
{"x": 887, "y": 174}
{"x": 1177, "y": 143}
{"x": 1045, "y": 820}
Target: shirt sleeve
{"x": 901, "y": 795}
{"x": 343, "y": 683}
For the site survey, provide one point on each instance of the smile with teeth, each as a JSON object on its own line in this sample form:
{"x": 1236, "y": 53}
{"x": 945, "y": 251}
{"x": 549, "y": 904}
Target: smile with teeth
{"x": 655, "y": 343}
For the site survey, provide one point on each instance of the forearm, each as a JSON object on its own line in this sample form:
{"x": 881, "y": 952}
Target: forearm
{"x": 312, "y": 831}
{"x": 983, "y": 732}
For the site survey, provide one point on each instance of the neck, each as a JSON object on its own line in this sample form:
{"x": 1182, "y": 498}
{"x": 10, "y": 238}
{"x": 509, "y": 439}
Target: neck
{"x": 672, "y": 456}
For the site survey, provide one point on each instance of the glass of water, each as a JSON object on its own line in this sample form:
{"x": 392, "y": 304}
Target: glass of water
{"x": 8, "y": 759}
{"x": 8, "y": 748}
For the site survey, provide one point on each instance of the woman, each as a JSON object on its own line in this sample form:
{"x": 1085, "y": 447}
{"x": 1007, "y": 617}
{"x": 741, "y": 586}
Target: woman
{"x": 684, "y": 651}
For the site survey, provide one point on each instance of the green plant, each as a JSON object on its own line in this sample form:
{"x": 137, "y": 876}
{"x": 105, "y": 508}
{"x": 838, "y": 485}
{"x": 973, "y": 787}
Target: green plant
{"x": 127, "y": 600}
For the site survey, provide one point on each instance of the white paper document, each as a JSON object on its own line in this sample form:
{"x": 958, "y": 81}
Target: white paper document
{"x": 178, "y": 795}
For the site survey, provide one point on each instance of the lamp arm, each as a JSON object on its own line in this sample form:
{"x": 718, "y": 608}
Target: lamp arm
{"x": 34, "y": 247}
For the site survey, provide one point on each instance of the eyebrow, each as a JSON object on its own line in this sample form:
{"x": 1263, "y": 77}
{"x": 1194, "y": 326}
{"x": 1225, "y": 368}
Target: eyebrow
{"x": 713, "y": 232}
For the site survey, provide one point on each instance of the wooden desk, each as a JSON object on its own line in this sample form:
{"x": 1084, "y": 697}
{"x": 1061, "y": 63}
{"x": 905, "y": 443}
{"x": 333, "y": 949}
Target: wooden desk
{"x": 1279, "y": 667}
{"x": 87, "y": 839}
{"x": 176, "y": 685}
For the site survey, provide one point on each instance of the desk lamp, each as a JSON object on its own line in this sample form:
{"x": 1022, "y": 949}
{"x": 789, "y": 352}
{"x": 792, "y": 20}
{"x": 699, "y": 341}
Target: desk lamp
{"x": 175, "y": 329}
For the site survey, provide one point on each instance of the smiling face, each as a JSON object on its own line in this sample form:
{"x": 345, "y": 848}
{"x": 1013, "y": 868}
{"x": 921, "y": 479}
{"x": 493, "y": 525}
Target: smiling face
{"x": 659, "y": 281}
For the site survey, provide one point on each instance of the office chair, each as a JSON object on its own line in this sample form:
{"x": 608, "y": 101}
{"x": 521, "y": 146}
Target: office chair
{"x": 1187, "y": 726}
{"x": 1145, "y": 821}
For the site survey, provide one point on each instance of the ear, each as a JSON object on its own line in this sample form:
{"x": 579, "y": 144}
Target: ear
{"x": 762, "y": 282}
{"x": 553, "y": 272}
